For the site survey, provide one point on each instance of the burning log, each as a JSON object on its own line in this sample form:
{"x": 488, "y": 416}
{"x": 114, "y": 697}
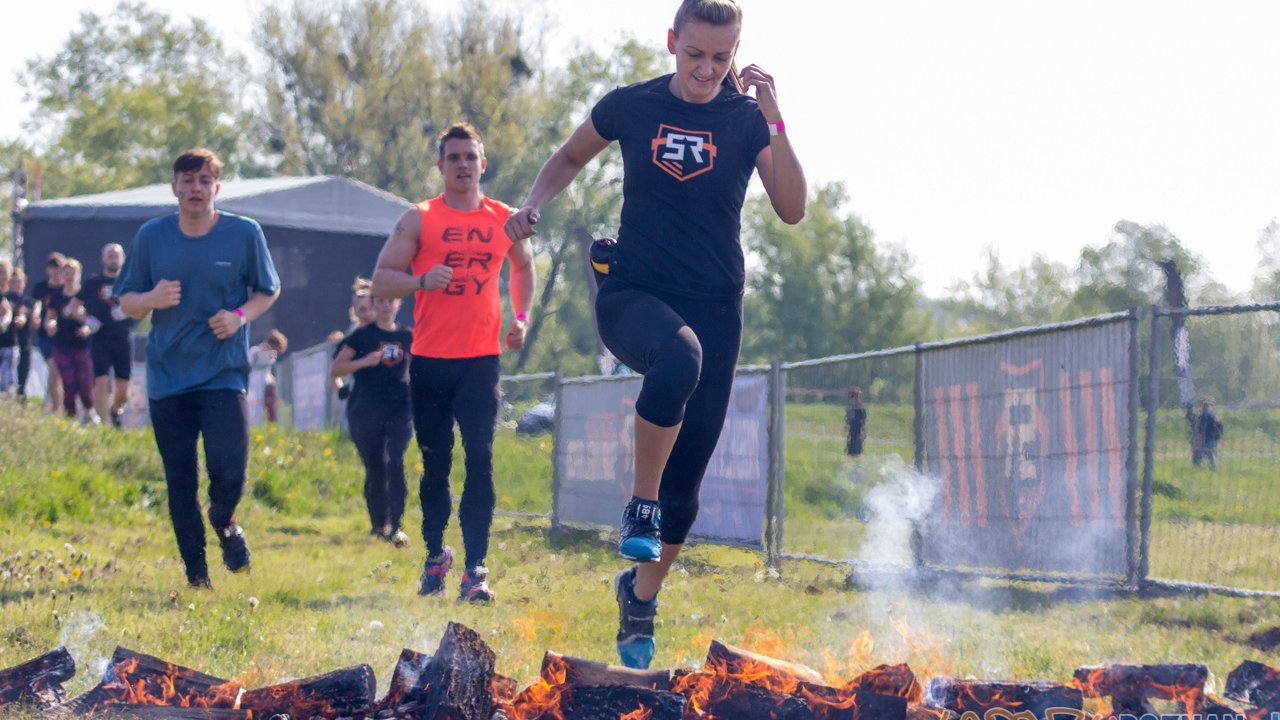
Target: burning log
{"x": 1256, "y": 684}
{"x": 602, "y": 702}
{"x": 165, "y": 712}
{"x": 342, "y": 693}
{"x": 137, "y": 679}
{"x": 961, "y": 696}
{"x": 828, "y": 703}
{"x": 717, "y": 695}
{"x": 779, "y": 675}
{"x": 889, "y": 680}
{"x": 563, "y": 669}
{"x": 38, "y": 681}
{"x": 1131, "y": 687}
{"x": 460, "y": 677}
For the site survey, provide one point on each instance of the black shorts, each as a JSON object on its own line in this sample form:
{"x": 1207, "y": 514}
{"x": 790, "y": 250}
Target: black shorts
{"x": 111, "y": 355}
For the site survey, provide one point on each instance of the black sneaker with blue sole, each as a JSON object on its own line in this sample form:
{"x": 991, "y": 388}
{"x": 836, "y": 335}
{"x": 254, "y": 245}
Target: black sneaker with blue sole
{"x": 635, "y": 622}
{"x": 638, "y": 539}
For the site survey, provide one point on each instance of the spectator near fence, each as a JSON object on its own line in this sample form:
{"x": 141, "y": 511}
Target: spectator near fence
{"x": 264, "y": 357}
{"x": 855, "y": 420}
{"x": 455, "y": 246}
{"x": 1206, "y": 431}
{"x": 671, "y": 306}
{"x": 203, "y": 275}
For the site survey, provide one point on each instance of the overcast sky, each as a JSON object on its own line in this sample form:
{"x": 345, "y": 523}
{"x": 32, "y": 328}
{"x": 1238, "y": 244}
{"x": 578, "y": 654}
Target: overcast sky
{"x": 1027, "y": 127}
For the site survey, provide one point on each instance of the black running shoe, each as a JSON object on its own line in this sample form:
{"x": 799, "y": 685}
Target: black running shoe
{"x": 235, "y": 551}
{"x": 638, "y": 539}
{"x": 635, "y": 622}
{"x": 199, "y": 582}
{"x": 117, "y": 419}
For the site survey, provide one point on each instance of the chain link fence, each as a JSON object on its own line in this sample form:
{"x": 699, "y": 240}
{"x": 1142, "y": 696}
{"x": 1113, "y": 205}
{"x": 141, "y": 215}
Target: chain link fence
{"x": 1211, "y": 517}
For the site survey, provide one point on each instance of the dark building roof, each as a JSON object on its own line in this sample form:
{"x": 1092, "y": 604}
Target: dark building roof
{"x": 328, "y": 204}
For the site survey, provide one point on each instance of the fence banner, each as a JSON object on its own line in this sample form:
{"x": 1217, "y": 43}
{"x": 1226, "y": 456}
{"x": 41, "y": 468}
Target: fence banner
{"x": 311, "y": 387}
{"x": 595, "y": 454}
{"x": 1028, "y": 437}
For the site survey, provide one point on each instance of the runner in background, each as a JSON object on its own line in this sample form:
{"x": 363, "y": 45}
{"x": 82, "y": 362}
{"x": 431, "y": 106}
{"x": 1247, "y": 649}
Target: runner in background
{"x": 42, "y": 293}
{"x": 455, "y": 247}
{"x": 109, "y": 347}
{"x": 69, "y": 326}
{"x": 379, "y": 415}
{"x": 24, "y": 322}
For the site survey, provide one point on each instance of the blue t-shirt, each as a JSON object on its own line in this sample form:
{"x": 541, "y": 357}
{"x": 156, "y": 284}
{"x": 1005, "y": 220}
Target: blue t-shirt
{"x": 219, "y": 270}
{"x": 685, "y": 172}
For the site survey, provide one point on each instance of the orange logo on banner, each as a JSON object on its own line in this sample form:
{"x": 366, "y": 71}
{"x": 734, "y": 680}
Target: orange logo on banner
{"x": 683, "y": 154}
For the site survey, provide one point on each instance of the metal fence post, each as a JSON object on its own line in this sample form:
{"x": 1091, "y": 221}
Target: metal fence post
{"x": 1131, "y": 454}
{"x": 555, "y": 452}
{"x": 1149, "y": 446}
{"x": 921, "y": 461}
{"x": 777, "y": 467}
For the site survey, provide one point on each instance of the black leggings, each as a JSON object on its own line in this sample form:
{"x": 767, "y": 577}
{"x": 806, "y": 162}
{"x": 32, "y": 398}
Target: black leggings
{"x": 24, "y": 368}
{"x": 465, "y": 390}
{"x": 687, "y": 351}
{"x": 381, "y": 436}
{"x": 221, "y": 417}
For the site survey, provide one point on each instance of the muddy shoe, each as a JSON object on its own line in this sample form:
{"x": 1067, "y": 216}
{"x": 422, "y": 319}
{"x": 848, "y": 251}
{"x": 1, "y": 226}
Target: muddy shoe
{"x": 434, "y": 570}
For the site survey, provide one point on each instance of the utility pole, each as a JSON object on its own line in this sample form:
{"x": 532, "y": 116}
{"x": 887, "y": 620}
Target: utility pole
{"x": 19, "y": 205}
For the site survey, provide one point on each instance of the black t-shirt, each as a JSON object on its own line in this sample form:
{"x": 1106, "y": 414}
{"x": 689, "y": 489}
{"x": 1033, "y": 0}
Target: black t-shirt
{"x": 686, "y": 168}
{"x": 98, "y": 303}
{"x": 19, "y": 303}
{"x": 68, "y": 335}
{"x": 385, "y": 385}
{"x": 43, "y": 293}
{"x": 9, "y": 337}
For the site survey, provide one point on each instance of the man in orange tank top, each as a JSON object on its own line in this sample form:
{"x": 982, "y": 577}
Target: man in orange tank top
{"x": 453, "y": 247}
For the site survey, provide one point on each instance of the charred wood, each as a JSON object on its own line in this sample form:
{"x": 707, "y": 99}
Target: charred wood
{"x": 889, "y": 680}
{"x": 460, "y": 677}
{"x": 1255, "y": 683}
{"x": 558, "y": 669}
{"x": 606, "y": 702}
{"x": 961, "y": 696}
{"x": 713, "y": 695}
{"x": 165, "y": 712}
{"x": 1131, "y": 687}
{"x": 347, "y": 692}
{"x": 38, "y": 681}
{"x": 828, "y": 703}
{"x": 408, "y": 680}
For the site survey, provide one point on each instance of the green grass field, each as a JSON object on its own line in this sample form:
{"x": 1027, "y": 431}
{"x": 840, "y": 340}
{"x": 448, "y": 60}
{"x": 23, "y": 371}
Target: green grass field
{"x": 87, "y": 560}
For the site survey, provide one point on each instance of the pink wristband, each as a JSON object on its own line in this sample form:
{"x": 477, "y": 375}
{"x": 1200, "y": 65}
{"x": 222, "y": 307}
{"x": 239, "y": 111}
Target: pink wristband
{"x": 777, "y": 128}
{"x": 522, "y": 317}
{"x": 240, "y": 314}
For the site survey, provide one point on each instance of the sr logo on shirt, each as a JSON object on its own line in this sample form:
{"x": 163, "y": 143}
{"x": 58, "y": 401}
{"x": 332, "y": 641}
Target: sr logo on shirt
{"x": 683, "y": 154}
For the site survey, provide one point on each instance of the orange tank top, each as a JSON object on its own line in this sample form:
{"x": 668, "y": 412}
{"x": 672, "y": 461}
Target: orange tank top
{"x": 463, "y": 319}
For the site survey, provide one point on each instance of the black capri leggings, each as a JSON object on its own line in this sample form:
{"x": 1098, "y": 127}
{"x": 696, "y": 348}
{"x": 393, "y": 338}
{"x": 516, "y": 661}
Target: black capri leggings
{"x": 687, "y": 351}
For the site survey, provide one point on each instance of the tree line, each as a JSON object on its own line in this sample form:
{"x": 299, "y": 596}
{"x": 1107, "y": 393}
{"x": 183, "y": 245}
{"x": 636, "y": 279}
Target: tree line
{"x": 360, "y": 88}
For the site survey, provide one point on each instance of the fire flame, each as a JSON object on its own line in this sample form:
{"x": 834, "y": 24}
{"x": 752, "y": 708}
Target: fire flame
{"x": 129, "y": 686}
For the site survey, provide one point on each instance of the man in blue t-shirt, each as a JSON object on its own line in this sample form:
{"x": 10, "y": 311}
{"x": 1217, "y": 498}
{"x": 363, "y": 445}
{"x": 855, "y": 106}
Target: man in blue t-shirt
{"x": 204, "y": 275}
